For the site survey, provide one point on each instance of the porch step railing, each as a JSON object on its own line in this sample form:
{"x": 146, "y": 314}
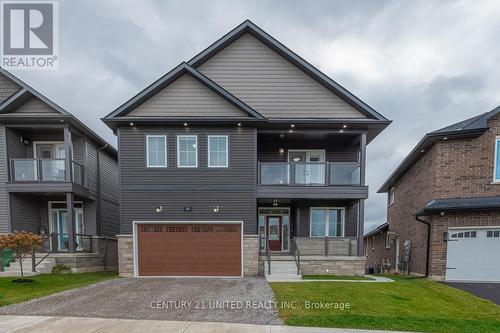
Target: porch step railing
{"x": 58, "y": 243}
{"x": 294, "y": 249}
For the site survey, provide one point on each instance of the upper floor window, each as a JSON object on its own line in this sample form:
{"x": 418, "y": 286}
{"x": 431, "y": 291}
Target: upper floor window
{"x": 387, "y": 240}
{"x": 327, "y": 222}
{"x": 218, "y": 151}
{"x": 392, "y": 195}
{"x": 156, "y": 150}
{"x": 187, "y": 151}
{"x": 496, "y": 174}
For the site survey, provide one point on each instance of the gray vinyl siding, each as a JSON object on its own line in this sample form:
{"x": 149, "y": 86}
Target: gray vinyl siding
{"x": 15, "y": 148}
{"x": 303, "y": 216}
{"x": 109, "y": 224}
{"x": 89, "y": 217}
{"x": 271, "y": 85}
{"x": 337, "y": 148}
{"x": 91, "y": 167}
{"x": 186, "y": 97}
{"x": 25, "y": 213}
{"x": 79, "y": 150}
{"x": 7, "y": 87}
{"x": 34, "y": 106}
{"x": 4, "y": 198}
{"x": 144, "y": 189}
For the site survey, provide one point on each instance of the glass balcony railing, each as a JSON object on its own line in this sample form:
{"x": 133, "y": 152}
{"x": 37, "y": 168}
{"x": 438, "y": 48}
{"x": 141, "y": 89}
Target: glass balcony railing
{"x": 44, "y": 170}
{"x": 309, "y": 174}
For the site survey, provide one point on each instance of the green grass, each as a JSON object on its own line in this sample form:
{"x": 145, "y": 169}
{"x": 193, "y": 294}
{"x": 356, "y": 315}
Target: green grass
{"x": 406, "y": 305}
{"x": 45, "y": 284}
{"x": 334, "y": 277}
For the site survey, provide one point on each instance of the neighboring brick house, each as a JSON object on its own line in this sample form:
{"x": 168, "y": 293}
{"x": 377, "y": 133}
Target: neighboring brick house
{"x": 378, "y": 249}
{"x": 449, "y": 184}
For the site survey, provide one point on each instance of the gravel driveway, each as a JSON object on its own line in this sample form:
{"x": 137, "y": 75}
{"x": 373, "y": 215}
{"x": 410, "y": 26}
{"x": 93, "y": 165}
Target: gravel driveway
{"x": 246, "y": 300}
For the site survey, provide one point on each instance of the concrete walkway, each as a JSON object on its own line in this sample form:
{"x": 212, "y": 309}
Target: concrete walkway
{"x": 372, "y": 277}
{"x": 39, "y": 324}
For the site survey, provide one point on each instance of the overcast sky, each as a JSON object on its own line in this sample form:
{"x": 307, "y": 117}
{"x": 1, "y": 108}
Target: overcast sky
{"x": 422, "y": 64}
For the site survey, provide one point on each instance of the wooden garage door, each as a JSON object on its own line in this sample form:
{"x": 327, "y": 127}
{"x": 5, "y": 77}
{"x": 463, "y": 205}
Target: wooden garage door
{"x": 189, "y": 249}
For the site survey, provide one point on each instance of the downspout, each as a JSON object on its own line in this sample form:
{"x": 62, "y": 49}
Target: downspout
{"x": 427, "y": 256}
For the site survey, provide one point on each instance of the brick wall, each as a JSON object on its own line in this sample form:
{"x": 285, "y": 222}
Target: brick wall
{"x": 376, "y": 251}
{"x": 125, "y": 255}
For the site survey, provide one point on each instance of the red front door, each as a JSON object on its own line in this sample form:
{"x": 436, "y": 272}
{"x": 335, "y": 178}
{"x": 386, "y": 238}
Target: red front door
{"x": 273, "y": 230}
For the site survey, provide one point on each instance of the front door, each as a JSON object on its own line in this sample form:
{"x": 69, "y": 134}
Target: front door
{"x": 309, "y": 166}
{"x": 273, "y": 230}
{"x": 59, "y": 225}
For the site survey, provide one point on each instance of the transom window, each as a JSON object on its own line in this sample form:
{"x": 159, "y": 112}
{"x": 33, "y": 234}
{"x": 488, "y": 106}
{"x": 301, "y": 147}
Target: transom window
{"x": 327, "y": 222}
{"x": 465, "y": 234}
{"x": 156, "y": 149}
{"x": 218, "y": 151}
{"x": 187, "y": 151}
{"x": 493, "y": 233}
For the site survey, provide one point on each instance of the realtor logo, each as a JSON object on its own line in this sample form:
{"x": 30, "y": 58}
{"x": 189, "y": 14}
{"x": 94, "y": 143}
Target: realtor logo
{"x": 29, "y": 34}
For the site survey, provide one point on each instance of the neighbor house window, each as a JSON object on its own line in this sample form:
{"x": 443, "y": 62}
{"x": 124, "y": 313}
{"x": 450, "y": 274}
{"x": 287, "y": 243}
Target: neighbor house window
{"x": 496, "y": 175}
{"x": 187, "y": 151}
{"x": 156, "y": 150}
{"x": 327, "y": 222}
{"x": 387, "y": 240}
{"x": 391, "y": 195}
{"x": 218, "y": 151}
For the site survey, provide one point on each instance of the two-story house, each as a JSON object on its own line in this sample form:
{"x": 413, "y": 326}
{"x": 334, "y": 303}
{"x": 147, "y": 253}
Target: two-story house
{"x": 444, "y": 205}
{"x": 243, "y": 156}
{"x": 57, "y": 177}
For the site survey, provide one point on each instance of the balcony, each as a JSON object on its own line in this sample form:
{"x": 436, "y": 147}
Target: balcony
{"x": 45, "y": 175}
{"x": 310, "y": 180}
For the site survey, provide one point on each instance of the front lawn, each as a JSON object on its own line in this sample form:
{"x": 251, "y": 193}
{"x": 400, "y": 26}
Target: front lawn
{"x": 406, "y": 304}
{"x": 45, "y": 284}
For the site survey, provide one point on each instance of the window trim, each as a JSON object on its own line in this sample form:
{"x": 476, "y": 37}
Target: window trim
{"x": 393, "y": 190}
{"x": 387, "y": 242}
{"x": 342, "y": 214}
{"x": 227, "y": 151}
{"x": 165, "y": 164}
{"x": 179, "y": 136}
{"x": 495, "y": 165}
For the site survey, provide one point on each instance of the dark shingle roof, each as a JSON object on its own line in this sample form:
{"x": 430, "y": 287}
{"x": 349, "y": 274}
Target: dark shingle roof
{"x": 471, "y": 127}
{"x": 461, "y": 204}
{"x": 380, "y": 228}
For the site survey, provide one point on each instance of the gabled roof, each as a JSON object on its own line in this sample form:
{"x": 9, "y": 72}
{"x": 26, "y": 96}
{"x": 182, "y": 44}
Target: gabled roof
{"x": 249, "y": 27}
{"x": 469, "y": 128}
{"x": 26, "y": 92}
{"x": 377, "y": 230}
{"x": 461, "y": 204}
{"x": 21, "y": 95}
{"x": 170, "y": 77}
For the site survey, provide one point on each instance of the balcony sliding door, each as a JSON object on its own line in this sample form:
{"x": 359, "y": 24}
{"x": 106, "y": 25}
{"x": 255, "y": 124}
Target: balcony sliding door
{"x": 309, "y": 166}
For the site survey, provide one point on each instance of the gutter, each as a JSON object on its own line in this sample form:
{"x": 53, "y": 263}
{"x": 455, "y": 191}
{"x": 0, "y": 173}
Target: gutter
{"x": 427, "y": 256}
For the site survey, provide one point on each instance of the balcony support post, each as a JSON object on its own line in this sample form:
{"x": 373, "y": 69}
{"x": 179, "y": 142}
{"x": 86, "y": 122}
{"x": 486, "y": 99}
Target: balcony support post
{"x": 361, "y": 204}
{"x": 68, "y": 154}
{"x": 71, "y": 221}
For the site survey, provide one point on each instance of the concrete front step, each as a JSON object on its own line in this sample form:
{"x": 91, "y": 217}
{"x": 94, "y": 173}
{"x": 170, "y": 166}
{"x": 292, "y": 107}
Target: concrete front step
{"x": 44, "y": 266}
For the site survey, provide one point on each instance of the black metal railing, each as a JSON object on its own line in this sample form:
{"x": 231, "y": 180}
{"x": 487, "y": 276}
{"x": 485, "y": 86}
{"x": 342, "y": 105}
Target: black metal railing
{"x": 294, "y": 250}
{"x": 58, "y": 243}
{"x": 44, "y": 170}
{"x": 268, "y": 256}
{"x": 309, "y": 174}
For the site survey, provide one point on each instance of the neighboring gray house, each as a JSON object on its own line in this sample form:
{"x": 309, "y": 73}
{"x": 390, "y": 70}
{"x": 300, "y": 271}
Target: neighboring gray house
{"x": 57, "y": 177}
{"x": 238, "y": 158}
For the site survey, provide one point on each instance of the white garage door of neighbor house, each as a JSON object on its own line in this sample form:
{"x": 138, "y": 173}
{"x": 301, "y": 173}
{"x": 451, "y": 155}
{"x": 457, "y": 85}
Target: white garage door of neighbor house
{"x": 473, "y": 255}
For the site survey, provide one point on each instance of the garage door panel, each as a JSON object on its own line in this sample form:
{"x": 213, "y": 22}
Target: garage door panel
{"x": 189, "y": 250}
{"x": 472, "y": 255}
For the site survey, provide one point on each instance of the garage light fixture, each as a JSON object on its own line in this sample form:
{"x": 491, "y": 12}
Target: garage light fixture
{"x": 215, "y": 209}
{"x": 159, "y": 209}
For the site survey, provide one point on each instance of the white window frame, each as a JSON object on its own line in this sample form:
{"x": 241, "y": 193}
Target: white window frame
{"x": 179, "y": 152}
{"x": 327, "y": 227}
{"x": 147, "y": 150}
{"x": 373, "y": 243}
{"x": 227, "y": 151}
{"x": 392, "y": 196}
{"x": 387, "y": 242}
{"x": 495, "y": 166}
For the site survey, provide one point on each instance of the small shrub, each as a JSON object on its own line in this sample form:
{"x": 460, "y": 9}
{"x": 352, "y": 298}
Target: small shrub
{"x": 21, "y": 244}
{"x": 61, "y": 269}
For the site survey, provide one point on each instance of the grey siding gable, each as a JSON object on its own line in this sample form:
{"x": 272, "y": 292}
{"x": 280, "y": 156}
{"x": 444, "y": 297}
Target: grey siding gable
{"x": 34, "y": 106}
{"x": 7, "y": 87}
{"x": 186, "y": 97}
{"x": 271, "y": 85}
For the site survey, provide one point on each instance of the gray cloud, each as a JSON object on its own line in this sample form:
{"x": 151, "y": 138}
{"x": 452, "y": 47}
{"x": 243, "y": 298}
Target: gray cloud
{"x": 422, "y": 64}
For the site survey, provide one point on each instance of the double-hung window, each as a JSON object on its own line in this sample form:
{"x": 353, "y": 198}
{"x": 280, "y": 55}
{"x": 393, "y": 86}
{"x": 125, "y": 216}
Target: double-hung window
{"x": 187, "y": 151}
{"x": 327, "y": 222}
{"x": 496, "y": 173}
{"x": 218, "y": 151}
{"x": 156, "y": 151}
